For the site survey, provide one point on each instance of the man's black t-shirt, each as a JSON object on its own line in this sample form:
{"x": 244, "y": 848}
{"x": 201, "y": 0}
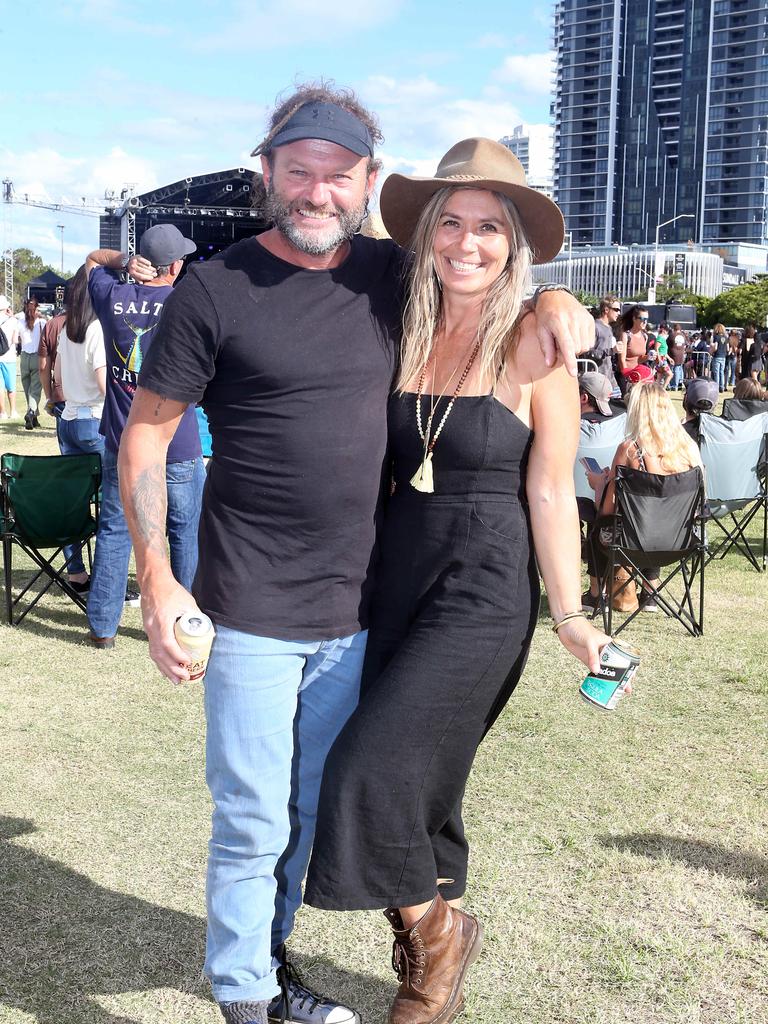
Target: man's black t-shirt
{"x": 294, "y": 368}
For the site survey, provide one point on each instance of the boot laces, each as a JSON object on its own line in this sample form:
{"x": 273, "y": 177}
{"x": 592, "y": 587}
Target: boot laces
{"x": 408, "y": 958}
{"x": 294, "y": 990}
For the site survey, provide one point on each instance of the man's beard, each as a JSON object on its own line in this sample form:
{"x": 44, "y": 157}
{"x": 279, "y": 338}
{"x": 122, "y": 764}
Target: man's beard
{"x": 341, "y": 227}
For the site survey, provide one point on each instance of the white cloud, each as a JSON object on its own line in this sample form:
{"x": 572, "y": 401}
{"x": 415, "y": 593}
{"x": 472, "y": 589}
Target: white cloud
{"x": 383, "y": 91}
{"x": 46, "y": 175}
{"x": 530, "y": 73}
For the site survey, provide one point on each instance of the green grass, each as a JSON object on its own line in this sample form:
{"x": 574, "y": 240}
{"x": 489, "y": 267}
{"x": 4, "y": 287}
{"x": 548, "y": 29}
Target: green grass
{"x": 619, "y": 860}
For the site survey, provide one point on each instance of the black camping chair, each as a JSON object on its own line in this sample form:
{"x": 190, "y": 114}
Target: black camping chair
{"x": 743, "y": 408}
{"x": 48, "y": 501}
{"x": 658, "y": 522}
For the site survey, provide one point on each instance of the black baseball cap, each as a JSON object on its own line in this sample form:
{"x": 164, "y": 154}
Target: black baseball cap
{"x": 163, "y": 244}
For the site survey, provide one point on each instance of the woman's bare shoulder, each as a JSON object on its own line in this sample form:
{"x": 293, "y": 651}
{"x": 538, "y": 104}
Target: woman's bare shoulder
{"x": 528, "y": 355}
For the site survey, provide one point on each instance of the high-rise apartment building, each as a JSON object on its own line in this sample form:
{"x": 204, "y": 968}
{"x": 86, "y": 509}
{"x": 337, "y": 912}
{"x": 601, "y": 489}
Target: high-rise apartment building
{"x": 661, "y": 110}
{"x": 532, "y": 144}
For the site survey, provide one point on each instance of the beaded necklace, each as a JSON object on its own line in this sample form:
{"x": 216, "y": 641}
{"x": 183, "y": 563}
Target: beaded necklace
{"x": 423, "y": 478}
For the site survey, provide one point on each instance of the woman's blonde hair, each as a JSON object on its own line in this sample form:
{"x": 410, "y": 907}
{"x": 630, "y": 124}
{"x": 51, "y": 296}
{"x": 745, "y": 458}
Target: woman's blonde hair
{"x": 423, "y": 314}
{"x": 655, "y": 427}
{"x": 718, "y": 329}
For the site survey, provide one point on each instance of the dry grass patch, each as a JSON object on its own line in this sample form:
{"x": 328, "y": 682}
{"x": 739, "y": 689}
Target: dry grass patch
{"x": 619, "y": 861}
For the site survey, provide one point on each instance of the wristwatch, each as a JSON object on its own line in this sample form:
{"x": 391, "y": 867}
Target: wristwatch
{"x": 548, "y": 288}
{"x": 124, "y": 264}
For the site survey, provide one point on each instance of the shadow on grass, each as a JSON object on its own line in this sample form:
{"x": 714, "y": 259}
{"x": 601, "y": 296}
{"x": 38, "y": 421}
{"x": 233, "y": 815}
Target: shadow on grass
{"x": 65, "y": 940}
{"x": 57, "y": 616}
{"x": 746, "y": 867}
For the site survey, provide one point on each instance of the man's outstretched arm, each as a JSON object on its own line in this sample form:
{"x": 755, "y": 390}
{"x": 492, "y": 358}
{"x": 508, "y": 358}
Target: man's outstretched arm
{"x": 141, "y": 467}
{"x": 564, "y": 328}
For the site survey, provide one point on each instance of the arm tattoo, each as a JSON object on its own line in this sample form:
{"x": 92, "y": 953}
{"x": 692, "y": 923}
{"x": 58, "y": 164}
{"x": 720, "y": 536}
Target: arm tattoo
{"x": 160, "y": 405}
{"x": 150, "y": 507}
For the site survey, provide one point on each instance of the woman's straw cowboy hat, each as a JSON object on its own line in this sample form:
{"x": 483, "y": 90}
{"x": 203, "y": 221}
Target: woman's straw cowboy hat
{"x": 475, "y": 163}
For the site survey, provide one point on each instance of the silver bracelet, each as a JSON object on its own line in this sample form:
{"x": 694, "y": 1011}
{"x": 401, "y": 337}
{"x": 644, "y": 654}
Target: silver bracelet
{"x": 549, "y": 288}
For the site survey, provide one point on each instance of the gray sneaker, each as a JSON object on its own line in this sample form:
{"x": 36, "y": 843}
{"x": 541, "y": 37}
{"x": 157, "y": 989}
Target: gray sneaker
{"x": 245, "y": 1012}
{"x": 298, "y": 1004}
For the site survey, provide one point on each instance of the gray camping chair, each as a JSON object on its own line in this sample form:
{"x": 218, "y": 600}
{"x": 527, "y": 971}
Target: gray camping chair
{"x": 600, "y": 441}
{"x": 735, "y": 463}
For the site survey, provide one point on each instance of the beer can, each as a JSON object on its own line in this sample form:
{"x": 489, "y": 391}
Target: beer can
{"x": 194, "y": 633}
{"x": 618, "y": 664}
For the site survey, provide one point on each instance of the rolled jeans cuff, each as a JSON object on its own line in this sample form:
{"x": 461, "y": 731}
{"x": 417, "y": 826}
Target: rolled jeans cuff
{"x": 255, "y": 992}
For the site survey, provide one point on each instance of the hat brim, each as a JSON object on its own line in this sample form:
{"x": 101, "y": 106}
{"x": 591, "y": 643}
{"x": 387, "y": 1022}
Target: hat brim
{"x": 403, "y": 199}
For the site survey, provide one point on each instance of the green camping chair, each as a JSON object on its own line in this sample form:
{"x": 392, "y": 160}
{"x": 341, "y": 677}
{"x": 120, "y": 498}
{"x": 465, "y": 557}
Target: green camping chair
{"x": 48, "y": 501}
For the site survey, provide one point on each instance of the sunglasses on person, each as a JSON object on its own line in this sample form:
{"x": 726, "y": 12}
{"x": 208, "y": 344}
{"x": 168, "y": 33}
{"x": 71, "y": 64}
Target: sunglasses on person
{"x": 616, "y": 309}
{"x": 641, "y": 318}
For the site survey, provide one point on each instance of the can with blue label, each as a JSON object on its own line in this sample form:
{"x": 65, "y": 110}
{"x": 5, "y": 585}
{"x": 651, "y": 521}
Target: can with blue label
{"x": 618, "y": 664}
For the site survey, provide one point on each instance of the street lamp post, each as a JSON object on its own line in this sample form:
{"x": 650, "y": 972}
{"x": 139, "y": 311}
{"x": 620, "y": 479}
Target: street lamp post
{"x": 680, "y": 216}
{"x": 568, "y": 236}
{"x": 61, "y": 229}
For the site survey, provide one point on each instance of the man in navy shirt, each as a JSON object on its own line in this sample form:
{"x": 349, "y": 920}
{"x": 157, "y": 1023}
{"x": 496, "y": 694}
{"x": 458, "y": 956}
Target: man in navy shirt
{"x": 129, "y": 314}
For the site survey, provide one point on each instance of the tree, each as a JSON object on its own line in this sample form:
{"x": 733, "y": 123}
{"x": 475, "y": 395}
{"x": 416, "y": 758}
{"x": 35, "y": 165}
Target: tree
{"x": 586, "y": 298}
{"x": 26, "y": 265}
{"x": 746, "y": 304}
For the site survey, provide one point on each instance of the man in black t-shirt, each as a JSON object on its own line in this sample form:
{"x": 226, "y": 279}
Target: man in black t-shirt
{"x": 290, "y": 340}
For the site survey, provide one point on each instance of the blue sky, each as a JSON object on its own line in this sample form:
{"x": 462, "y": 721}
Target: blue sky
{"x": 97, "y": 94}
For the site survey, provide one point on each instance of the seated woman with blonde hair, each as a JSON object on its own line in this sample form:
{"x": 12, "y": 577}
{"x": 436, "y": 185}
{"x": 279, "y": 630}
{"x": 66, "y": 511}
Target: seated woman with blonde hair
{"x": 656, "y": 442}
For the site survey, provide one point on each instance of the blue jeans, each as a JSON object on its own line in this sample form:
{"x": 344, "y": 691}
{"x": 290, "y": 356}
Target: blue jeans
{"x": 113, "y": 542}
{"x": 75, "y": 438}
{"x": 273, "y": 709}
{"x": 677, "y": 377}
{"x": 718, "y": 372}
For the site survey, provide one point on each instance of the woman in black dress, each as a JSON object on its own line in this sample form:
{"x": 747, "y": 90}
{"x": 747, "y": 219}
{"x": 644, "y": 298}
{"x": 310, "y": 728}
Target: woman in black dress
{"x": 483, "y": 438}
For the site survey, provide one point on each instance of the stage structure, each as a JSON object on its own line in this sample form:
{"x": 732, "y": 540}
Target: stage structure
{"x": 214, "y": 210}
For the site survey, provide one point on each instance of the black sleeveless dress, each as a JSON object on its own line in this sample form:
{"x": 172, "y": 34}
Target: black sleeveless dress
{"x": 455, "y": 605}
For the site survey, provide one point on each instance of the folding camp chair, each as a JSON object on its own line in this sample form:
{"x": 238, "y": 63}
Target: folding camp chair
{"x": 600, "y": 441}
{"x": 658, "y": 523}
{"x": 48, "y": 501}
{"x": 743, "y": 408}
{"x": 736, "y": 463}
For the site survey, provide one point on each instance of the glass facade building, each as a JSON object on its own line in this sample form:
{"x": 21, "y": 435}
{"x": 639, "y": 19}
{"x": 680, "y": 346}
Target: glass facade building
{"x": 661, "y": 112}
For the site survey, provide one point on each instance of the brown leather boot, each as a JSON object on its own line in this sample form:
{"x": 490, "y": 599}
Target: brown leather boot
{"x": 431, "y": 960}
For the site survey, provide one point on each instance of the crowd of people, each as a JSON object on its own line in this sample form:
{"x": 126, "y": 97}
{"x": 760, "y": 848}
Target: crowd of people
{"x": 629, "y": 351}
{"x": 394, "y": 429}
{"x": 625, "y": 339}
{"x": 87, "y": 360}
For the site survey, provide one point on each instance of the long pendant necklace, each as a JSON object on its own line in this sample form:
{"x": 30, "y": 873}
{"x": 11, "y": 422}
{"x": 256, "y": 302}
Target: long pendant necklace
{"x": 423, "y": 479}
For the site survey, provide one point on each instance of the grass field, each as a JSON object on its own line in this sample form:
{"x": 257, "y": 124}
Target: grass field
{"x": 620, "y": 862}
